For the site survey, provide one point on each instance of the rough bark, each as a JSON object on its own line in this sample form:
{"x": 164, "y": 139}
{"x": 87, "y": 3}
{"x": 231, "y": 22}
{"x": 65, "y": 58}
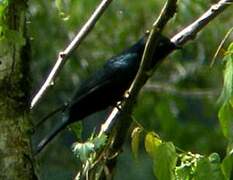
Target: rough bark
{"x": 15, "y": 150}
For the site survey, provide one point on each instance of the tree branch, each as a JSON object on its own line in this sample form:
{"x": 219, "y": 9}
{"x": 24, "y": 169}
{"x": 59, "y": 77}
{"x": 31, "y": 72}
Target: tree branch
{"x": 63, "y": 56}
{"x": 190, "y": 32}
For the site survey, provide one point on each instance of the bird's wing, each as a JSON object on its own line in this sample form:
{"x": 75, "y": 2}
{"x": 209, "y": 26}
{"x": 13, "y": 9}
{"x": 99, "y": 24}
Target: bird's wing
{"x": 107, "y": 76}
{"x": 97, "y": 81}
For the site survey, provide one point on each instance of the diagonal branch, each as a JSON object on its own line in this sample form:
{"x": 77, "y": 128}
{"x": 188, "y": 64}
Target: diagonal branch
{"x": 63, "y": 56}
{"x": 190, "y": 32}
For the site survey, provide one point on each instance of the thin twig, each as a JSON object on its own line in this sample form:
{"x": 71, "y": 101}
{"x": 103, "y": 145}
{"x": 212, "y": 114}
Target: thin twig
{"x": 63, "y": 56}
{"x": 220, "y": 46}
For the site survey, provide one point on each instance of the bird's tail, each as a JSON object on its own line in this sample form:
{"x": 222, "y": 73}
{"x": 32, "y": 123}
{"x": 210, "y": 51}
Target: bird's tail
{"x": 61, "y": 125}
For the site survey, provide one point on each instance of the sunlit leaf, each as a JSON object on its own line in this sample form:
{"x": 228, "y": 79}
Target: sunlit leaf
{"x": 199, "y": 167}
{"x": 230, "y": 49}
{"x": 214, "y": 158}
{"x": 227, "y": 166}
{"x": 3, "y": 26}
{"x": 227, "y": 163}
{"x": 187, "y": 165}
{"x": 227, "y": 90}
{"x": 183, "y": 172}
{"x": 225, "y": 116}
{"x": 60, "y": 4}
{"x": 151, "y": 143}
{"x": 99, "y": 141}
{"x": 165, "y": 158}
{"x": 135, "y": 141}
{"x": 83, "y": 150}
{"x": 163, "y": 155}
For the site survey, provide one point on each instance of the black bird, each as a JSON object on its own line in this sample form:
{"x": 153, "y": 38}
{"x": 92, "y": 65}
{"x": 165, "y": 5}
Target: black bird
{"x": 106, "y": 86}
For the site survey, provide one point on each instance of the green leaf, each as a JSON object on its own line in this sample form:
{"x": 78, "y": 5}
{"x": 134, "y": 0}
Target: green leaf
{"x": 214, "y": 158}
{"x": 99, "y": 141}
{"x": 77, "y": 129}
{"x": 203, "y": 169}
{"x": 209, "y": 168}
{"x": 230, "y": 49}
{"x": 225, "y": 116}
{"x": 215, "y": 165}
{"x": 226, "y": 112}
{"x": 3, "y": 5}
{"x": 183, "y": 172}
{"x": 227, "y": 90}
{"x": 3, "y": 24}
{"x": 227, "y": 166}
{"x": 187, "y": 165}
{"x": 83, "y": 150}
{"x": 60, "y": 4}
{"x": 165, "y": 158}
{"x": 135, "y": 141}
{"x": 152, "y": 142}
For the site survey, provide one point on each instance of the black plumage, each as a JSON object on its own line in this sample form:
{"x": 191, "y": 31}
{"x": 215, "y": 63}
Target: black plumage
{"x": 106, "y": 86}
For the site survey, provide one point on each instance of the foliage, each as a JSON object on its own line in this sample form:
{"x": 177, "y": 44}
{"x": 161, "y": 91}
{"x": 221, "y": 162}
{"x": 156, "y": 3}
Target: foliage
{"x": 3, "y": 8}
{"x": 169, "y": 164}
{"x": 135, "y": 141}
{"x": 163, "y": 155}
{"x": 86, "y": 151}
{"x": 227, "y": 91}
{"x": 8, "y": 34}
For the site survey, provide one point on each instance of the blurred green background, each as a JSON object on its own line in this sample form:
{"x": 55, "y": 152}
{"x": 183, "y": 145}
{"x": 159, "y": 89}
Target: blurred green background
{"x": 178, "y": 103}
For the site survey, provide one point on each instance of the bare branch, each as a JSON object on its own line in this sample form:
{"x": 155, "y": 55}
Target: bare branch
{"x": 190, "y": 32}
{"x": 63, "y": 56}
